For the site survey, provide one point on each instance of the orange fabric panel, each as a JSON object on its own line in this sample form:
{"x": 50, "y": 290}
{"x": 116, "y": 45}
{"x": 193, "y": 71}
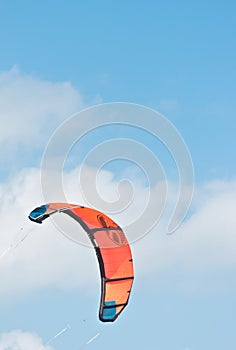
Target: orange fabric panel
{"x": 110, "y": 238}
{"x": 117, "y": 259}
{"x": 57, "y": 206}
{"x": 117, "y": 262}
{"x": 94, "y": 218}
{"x": 119, "y": 309}
{"x": 118, "y": 291}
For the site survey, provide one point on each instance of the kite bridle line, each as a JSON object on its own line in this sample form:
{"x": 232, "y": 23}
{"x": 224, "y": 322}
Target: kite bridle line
{"x": 15, "y": 243}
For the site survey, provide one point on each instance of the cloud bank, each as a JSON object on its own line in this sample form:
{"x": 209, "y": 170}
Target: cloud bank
{"x": 19, "y": 340}
{"x": 30, "y": 107}
{"x": 30, "y": 110}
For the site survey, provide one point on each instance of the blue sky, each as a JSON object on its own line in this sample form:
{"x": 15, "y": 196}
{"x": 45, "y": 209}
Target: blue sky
{"x": 177, "y": 58}
{"x": 170, "y": 56}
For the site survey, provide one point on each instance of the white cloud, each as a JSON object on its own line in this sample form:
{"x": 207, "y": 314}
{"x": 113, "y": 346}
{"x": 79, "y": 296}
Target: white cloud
{"x": 30, "y": 108}
{"x": 19, "y": 340}
{"x": 201, "y": 255}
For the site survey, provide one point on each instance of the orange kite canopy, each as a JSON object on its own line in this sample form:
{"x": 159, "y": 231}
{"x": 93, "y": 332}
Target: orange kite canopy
{"x": 112, "y": 249}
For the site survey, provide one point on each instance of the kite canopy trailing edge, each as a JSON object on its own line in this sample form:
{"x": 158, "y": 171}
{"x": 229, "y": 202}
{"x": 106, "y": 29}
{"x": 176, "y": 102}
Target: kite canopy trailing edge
{"x": 112, "y": 249}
